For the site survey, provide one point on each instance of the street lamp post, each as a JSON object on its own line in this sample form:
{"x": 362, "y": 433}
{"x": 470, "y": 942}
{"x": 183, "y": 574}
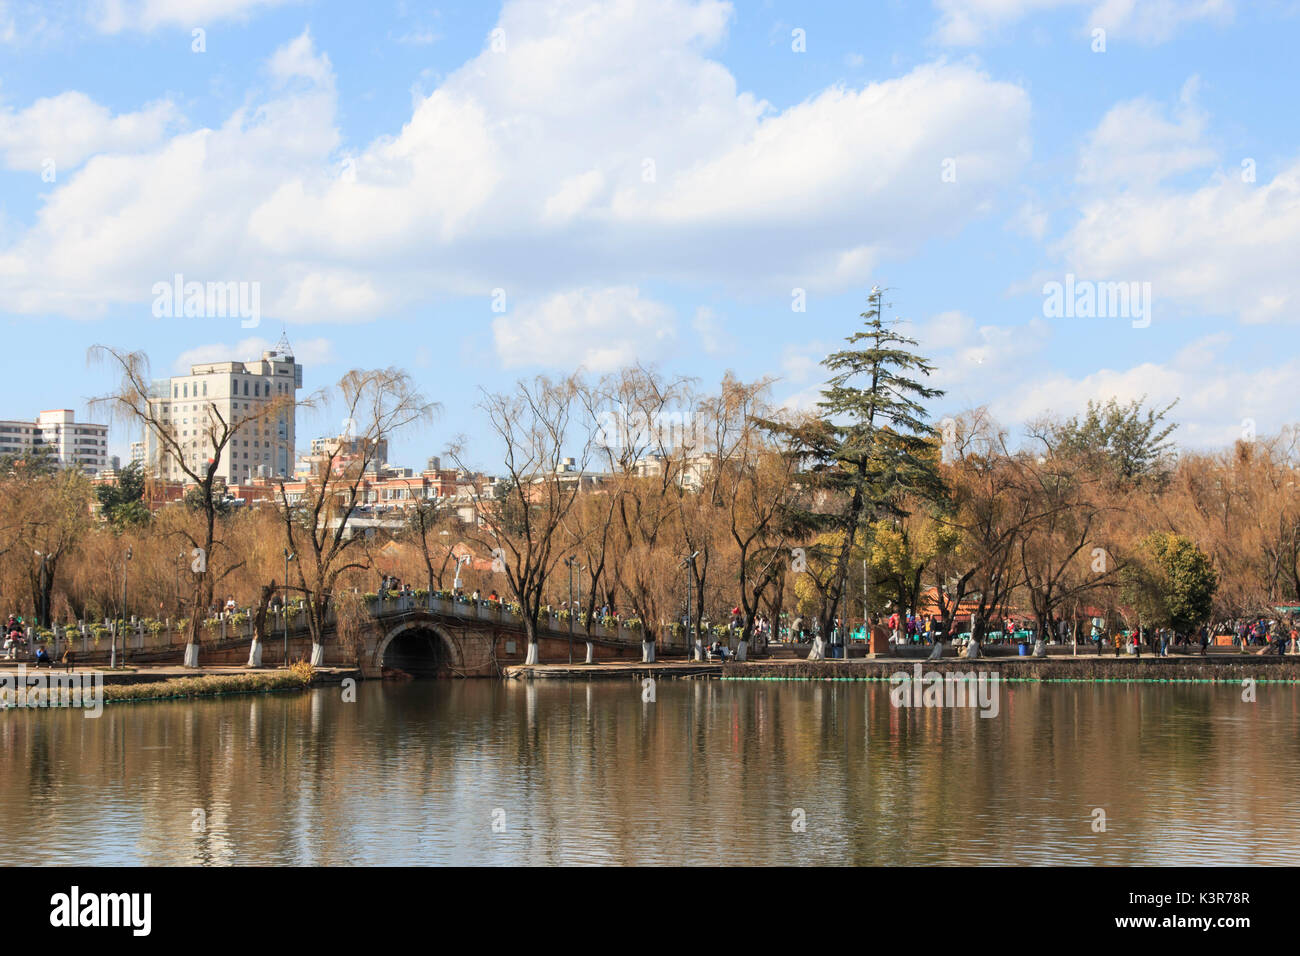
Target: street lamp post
{"x": 569, "y": 563}
{"x": 112, "y": 653}
{"x": 288, "y": 556}
{"x": 455, "y": 585}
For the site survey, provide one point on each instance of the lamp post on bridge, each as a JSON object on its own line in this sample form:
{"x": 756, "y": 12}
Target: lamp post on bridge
{"x": 572, "y": 563}
{"x": 288, "y": 556}
{"x": 112, "y": 653}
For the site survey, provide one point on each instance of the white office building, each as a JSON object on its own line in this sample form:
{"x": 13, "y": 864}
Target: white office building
{"x": 233, "y": 392}
{"x": 74, "y": 444}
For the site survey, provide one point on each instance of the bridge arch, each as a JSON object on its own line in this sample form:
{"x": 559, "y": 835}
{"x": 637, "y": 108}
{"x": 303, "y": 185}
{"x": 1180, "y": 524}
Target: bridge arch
{"x": 418, "y": 647}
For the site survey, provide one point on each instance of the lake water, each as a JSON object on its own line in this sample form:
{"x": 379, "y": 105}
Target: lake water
{"x": 716, "y": 772}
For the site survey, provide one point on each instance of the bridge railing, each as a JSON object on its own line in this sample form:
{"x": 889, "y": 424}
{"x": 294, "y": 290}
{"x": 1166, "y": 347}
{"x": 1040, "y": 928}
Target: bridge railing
{"x": 497, "y": 612}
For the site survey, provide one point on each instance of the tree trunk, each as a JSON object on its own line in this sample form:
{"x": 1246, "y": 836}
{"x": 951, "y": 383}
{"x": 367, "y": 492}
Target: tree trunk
{"x": 699, "y": 647}
{"x": 818, "y": 652}
{"x": 259, "y": 625}
{"x": 742, "y": 650}
{"x": 531, "y": 657}
{"x": 591, "y": 653}
{"x": 191, "y": 654}
{"x": 647, "y": 652}
{"x": 937, "y": 651}
{"x": 317, "y": 655}
{"x": 972, "y": 649}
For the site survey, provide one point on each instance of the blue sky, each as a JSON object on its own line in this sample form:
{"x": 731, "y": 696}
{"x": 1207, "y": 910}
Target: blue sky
{"x": 653, "y": 180}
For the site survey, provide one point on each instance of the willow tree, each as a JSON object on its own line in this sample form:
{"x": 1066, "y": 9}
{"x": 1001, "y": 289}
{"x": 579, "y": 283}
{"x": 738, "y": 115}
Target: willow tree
{"x": 51, "y": 514}
{"x": 546, "y": 438}
{"x": 748, "y": 484}
{"x": 197, "y": 455}
{"x": 868, "y": 449}
{"x": 317, "y": 524}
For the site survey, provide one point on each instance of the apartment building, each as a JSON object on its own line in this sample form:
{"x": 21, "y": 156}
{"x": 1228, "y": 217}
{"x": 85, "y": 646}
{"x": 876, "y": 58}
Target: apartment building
{"x": 77, "y": 444}
{"x": 232, "y": 392}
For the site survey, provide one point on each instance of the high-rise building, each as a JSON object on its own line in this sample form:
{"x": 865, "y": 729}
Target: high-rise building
{"x": 58, "y": 433}
{"x": 231, "y": 392}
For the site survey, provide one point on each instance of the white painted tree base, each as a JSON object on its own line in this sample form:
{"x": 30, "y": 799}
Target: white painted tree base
{"x": 532, "y": 654}
{"x": 972, "y": 651}
{"x": 591, "y": 653}
{"x": 1040, "y": 649}
{"x": 318, "y": 655}
{"x": 191, "y": 655}
{"x": 647, "y": 652}
{"x": 742, "y": 651}
{"x": 937, "y": 652}
{"x": 699, "y": 650}
{"x": 818, "y": 652}
{"x": 255, "y": 654}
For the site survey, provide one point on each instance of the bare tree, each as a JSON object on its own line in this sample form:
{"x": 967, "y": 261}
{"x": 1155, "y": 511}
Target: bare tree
{"x": 316, "y": 525}
{"x": 538, "y": 424}
{"x": 197, "y": 455}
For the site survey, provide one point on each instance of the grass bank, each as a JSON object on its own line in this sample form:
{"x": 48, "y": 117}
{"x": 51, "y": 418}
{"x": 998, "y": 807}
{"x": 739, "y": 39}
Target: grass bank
{"x": 297, "y": 677}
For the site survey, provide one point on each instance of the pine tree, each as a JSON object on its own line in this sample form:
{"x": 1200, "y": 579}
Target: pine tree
{"x": 869, "y": 446}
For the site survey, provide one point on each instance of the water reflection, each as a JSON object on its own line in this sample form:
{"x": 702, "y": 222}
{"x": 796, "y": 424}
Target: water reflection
{"x": 709, "y": 772}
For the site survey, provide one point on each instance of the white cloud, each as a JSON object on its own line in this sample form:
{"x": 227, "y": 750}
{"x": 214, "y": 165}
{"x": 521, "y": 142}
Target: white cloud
{"x": 599, "y": 329}
{"x": 1214, "y": 397}
{"x": 1155, "y": 21}
{"x": 109, "y": 231}
{"x": 972, "y": 360}
{"x": 1135, "y": 145}
{"x": 970, "y": 22}
{"x": 711, "y": 332}
{"x": 552, "y": 166}
{"x": 1030, "y": 220}
{"x": 116, "y": 16}
{"x": 1226, "y": 246}
{"x": 67, "y": 128}
{"x": 307, "y": 352}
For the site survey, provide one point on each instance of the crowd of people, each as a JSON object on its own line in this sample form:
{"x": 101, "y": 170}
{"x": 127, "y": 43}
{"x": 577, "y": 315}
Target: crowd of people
{"x": 16, "y": 646}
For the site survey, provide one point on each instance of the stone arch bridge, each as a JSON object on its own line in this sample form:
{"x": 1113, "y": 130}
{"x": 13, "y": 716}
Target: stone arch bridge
{"x": 429, "y": 637}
